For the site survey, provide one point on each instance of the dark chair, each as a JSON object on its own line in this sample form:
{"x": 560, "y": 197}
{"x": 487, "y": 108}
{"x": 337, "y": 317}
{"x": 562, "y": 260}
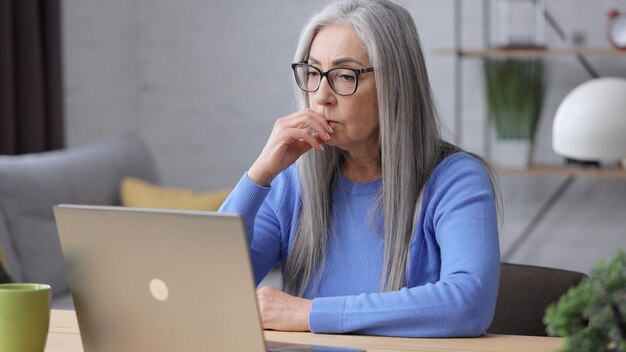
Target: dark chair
{"x": 4, "y": 276}
{"x": 525, "y": 293}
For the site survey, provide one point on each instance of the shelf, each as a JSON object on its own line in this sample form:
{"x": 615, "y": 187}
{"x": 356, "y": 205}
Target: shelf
{"x": 614, "y": 172}
{"x": 529, "y": 52}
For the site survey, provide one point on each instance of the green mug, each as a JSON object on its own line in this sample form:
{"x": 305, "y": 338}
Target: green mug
{"x": 24, "y": 317}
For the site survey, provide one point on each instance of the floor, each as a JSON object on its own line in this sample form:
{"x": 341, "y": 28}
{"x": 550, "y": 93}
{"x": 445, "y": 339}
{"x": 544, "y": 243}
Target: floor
{"x": 585, "y": 225}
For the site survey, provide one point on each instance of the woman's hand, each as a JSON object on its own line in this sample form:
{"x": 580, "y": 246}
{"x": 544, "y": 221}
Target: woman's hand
{"x": 292, "y": 136}
{"x": 281, "y": 311}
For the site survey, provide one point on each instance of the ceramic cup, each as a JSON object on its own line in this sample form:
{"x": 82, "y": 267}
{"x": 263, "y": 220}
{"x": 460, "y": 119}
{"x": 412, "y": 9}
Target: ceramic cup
{"x": 24, "y": 317}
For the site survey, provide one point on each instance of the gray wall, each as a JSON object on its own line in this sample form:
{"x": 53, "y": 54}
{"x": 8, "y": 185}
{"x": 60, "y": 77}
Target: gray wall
{"x": 203, "y": 81}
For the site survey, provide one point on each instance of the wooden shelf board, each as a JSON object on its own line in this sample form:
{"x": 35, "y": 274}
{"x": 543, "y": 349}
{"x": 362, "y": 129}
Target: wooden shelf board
{"x": 614, "y": 172}
{"x": 529, "y": 52}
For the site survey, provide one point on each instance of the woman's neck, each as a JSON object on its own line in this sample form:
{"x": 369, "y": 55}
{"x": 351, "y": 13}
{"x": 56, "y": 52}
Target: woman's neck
{"x": 362, "y": 169}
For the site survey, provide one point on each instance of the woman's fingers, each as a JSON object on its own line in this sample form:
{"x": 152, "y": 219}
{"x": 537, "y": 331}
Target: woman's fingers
{"x": 308, "y": 118}
{"x": 308, "y": 135}
{"x": 292, "y": 136}
{"x": 316, "y": 128}
{"x": 305, "y": 125}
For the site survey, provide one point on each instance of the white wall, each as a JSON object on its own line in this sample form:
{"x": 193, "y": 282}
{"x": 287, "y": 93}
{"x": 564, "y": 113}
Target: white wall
{"x": 203, "y": 82}
{"x": 100, "y": 69}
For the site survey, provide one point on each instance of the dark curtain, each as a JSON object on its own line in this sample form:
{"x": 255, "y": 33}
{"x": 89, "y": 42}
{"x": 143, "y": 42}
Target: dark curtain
{"x": 31, "y": 111}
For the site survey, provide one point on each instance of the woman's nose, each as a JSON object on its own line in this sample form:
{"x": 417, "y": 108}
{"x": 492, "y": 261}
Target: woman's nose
{"x": 325, "y": 94}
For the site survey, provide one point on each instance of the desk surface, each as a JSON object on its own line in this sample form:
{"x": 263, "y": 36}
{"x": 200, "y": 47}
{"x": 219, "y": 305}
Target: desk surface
{"x": 64, "y": 336}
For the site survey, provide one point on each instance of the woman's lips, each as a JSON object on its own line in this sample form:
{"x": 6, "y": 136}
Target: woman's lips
{"x": 326, "y": 114}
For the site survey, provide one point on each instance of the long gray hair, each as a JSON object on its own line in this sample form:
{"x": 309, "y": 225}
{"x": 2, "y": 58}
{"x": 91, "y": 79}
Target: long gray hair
{"x": 410, "y": 143}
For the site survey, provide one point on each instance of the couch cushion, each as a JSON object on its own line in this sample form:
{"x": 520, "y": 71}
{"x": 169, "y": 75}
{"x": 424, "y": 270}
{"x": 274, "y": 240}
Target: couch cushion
{"x": 143, "y": 194}
{"x": 63, "y": 301}
{"x": 30, "y": 185}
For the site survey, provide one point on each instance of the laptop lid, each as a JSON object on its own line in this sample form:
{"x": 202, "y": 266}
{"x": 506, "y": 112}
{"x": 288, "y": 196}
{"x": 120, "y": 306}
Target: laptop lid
{"x": 156, "y": 280}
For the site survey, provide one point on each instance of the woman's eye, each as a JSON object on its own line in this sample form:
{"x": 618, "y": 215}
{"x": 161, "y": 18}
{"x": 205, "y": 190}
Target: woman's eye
{"x": 346, "y": 78}
{"x": 313, "y": 73}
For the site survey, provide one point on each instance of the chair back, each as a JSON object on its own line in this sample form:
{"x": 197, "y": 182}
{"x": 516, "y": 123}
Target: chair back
{"x": 4, "y": 276}
{"x": 525, "y": 293}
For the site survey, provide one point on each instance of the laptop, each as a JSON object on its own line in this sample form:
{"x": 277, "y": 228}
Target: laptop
{"x": 162, "y": 280}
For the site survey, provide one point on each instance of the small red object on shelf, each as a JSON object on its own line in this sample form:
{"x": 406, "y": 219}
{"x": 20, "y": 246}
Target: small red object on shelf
{"x": 617, "y": 29}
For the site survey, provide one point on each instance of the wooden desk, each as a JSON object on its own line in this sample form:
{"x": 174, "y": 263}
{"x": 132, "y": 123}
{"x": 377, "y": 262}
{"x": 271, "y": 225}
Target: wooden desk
{"x": 64, "y": 336}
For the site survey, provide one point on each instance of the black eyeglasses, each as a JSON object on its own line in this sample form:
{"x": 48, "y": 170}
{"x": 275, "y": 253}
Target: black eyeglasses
{"x": 343, "y": 80}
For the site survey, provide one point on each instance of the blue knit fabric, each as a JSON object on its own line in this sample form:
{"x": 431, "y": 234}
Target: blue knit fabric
{"x": 454, "y": 258}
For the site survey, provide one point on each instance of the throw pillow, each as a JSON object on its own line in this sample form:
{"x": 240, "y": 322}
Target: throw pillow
{"x": 142, "y": 194}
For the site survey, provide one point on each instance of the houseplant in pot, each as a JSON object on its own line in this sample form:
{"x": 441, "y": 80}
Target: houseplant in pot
{"x": 592, "y": 316}
{"x": 514, "y": 91}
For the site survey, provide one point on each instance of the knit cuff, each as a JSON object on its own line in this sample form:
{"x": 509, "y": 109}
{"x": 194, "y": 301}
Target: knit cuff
{"x": 326, "y": 315}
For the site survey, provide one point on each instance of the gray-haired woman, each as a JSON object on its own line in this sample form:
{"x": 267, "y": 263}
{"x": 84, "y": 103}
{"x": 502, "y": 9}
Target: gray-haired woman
{"x": 380, "y": 227}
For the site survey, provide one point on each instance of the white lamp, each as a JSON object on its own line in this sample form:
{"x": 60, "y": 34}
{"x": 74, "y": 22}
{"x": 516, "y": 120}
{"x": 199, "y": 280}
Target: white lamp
{"x": 590, "y": 123}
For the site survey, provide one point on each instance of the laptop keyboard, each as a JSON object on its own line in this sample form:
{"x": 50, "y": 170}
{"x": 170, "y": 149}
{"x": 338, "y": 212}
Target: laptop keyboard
{"x": 273, "y": 346}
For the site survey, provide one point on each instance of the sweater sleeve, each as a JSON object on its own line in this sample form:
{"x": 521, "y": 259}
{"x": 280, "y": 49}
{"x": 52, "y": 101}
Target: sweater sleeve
{"x": 251, "y": 202}
{"x": 462, "y": 217}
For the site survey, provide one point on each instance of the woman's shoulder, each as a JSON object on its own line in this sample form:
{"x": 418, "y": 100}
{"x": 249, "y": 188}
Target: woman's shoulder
{"x": 458, "y": 178}
{"x": 460, "y": 167}
{"x": 460, "y": 159}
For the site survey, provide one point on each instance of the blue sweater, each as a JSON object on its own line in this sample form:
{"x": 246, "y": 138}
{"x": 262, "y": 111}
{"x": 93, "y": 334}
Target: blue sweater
{"x": 454, "y": 253}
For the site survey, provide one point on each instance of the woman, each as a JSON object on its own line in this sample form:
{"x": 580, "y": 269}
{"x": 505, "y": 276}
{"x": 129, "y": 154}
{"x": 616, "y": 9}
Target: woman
{"x": 381, "y": 228}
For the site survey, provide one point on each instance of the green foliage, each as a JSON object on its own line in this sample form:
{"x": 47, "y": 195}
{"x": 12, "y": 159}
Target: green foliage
{"x": 514, "y": 92}
{"x": 592, "y": 316}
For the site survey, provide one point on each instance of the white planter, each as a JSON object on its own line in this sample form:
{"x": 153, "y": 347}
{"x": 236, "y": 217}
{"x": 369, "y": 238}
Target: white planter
{"x": 513, "y": 153}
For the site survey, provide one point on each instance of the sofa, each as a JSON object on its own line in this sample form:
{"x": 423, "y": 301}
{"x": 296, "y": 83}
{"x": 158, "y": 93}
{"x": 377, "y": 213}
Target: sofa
{"x": 30, "y": 185}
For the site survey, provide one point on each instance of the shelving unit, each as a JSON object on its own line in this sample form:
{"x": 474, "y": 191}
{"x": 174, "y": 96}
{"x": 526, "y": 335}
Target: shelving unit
{"x": 569, "y": 173}
{"x": 480, "y": 53}
{"x": 460, "y": 53}
{"x": 614, "y": 172}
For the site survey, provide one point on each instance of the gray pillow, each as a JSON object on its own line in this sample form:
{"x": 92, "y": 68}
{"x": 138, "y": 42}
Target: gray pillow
{"x": 30, "y": 185}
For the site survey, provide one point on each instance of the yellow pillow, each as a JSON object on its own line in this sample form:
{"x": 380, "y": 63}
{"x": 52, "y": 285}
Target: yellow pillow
{"x": 142, "y": 194}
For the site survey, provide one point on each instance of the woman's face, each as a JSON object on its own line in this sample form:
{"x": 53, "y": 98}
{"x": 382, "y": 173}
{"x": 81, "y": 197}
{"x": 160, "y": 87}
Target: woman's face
{"x": 354, "y": 118}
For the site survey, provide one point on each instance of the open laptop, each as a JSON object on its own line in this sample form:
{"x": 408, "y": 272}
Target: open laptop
{"x": 161, "y": 280}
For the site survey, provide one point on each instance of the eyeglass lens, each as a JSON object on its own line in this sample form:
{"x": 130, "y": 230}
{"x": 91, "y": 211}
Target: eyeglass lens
{"x": 342, "y": 81}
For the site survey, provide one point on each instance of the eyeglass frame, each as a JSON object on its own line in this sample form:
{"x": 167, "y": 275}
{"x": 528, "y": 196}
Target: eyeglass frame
{"x": 357, "y": 72}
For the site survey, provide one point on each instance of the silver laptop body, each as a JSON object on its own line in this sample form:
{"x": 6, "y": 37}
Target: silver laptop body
{"x": 155, "y": 280}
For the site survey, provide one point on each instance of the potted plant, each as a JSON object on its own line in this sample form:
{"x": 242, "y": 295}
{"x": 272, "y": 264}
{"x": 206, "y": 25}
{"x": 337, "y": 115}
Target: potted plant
{"x": 514, "y": 94}
{"x": 592, "y": 316}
